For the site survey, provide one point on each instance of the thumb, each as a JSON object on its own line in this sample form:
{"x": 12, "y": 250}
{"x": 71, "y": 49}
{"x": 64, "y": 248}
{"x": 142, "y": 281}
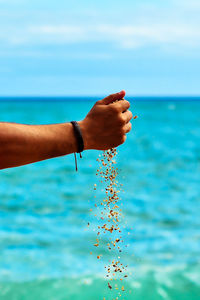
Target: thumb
{"x": 113, "y": 97}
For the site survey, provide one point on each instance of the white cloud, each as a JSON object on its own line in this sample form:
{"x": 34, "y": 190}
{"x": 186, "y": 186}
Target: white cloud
{"x": 191, "y": 4}
{"x": 175, "y": 26}
{"x": 159, "y": 34}
{"x": 60, "y": 30}
{"x": 122, "y": 36}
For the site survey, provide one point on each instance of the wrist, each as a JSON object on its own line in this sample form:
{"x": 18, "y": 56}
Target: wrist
{"x": 85, "y": 134}
{"x": 74, "y": 145}
{"x": 65, "y": 139}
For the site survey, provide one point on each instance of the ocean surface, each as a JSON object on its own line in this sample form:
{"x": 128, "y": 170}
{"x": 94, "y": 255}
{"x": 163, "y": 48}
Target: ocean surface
{"x": 45, "y": 242}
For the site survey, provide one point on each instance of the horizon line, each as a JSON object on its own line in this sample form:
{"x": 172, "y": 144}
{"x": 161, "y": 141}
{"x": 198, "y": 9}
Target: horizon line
{"x": 92, "y": 97}
{"x": 98, "y": 96}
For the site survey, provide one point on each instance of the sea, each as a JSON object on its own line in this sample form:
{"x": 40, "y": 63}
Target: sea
{"x": 46, "y": 245}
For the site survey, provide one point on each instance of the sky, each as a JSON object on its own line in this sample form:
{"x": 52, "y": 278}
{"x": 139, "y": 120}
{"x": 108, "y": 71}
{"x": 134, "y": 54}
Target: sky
{"x": 80, "y": 48}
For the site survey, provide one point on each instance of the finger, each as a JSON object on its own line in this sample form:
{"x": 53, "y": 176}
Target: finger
{"x": 122, "y": 105}
{"x": 127, "y": 116}
{"x": 127, "y": 127}
{"x": 113, "y": 97}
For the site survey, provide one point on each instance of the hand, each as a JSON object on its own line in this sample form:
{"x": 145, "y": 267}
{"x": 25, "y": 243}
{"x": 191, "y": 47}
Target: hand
{"x": 107, "y": 123}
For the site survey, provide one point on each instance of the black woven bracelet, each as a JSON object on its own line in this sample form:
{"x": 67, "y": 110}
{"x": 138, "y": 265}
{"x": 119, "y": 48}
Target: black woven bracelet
{"x": 79, "y": 139}
{"x": 79, "y": 136}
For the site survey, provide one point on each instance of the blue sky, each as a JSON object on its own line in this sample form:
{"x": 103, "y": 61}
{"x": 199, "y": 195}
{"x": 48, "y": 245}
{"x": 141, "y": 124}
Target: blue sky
{"x": 59, "y": 48}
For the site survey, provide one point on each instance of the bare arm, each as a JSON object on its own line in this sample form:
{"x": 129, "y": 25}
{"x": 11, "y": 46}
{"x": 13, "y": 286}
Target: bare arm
{"x": 104, "y": 127}
{"x": 24, "y": 144}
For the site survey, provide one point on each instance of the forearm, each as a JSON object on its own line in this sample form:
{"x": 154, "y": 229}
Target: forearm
{"x": 104, "y": 127}
{"x": 23, "y": 144}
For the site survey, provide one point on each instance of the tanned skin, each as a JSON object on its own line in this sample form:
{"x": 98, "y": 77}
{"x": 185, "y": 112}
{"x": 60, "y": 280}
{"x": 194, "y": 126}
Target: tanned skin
{"x": 104, "y": 127}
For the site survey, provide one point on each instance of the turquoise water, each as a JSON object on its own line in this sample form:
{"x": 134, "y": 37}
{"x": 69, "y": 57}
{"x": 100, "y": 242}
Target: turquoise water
{"x": 45, "y": 243}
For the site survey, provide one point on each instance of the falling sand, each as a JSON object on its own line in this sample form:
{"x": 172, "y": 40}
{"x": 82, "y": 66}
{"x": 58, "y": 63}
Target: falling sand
{"x": 109, "y": 220}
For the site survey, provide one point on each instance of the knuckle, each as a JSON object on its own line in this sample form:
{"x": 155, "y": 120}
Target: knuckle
{"x": 129, "y": 127}
{"x": 131, "y": 115}
{"x": 128, "y": 104}
{"x": 121, "y": 120}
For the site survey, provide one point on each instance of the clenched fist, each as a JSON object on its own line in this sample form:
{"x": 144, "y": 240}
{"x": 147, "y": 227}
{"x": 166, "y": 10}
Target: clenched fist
{"x": 107, "y": 123}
